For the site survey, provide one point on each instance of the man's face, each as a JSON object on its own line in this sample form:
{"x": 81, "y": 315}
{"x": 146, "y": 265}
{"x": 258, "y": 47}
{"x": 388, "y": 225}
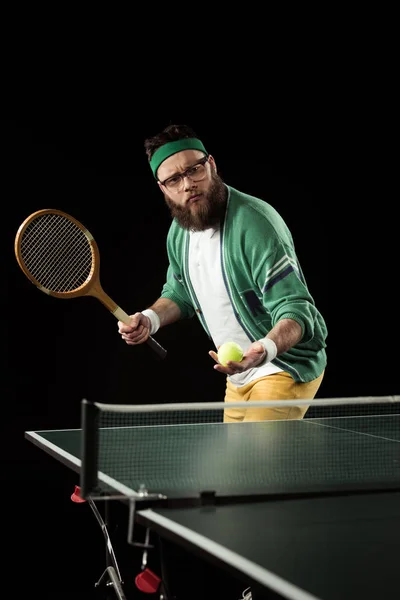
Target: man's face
{"x": 196, "y": 200}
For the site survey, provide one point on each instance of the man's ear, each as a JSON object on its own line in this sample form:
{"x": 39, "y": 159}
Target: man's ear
{"x": 212, "y": 162}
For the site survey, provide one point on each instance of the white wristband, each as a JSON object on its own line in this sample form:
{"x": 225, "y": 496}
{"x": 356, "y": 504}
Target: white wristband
{"x": 154, "y": 319}
{"x": 270, "y": 348}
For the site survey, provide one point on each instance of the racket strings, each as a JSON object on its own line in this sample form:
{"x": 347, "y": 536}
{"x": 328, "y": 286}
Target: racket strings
{"x": 57, "y": 253}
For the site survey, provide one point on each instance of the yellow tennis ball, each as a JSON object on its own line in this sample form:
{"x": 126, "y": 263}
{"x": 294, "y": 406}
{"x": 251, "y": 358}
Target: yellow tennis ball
{"x": 229, "y": 351}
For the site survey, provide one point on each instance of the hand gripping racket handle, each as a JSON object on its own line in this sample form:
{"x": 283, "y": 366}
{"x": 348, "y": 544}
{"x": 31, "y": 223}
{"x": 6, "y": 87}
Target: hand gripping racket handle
{"x": 122, "y": 316}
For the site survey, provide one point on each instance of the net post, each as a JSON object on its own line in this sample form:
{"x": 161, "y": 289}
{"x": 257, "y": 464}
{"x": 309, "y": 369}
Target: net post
{"x": 89, "y": 447}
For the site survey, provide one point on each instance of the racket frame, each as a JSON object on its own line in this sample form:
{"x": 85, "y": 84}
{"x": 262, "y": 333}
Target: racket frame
{"x": 91, "y": 286}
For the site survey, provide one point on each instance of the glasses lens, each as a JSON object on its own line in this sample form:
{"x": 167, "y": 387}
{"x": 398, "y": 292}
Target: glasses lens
{"x": 197, "y": 172}
{"x": 173, "y": 183}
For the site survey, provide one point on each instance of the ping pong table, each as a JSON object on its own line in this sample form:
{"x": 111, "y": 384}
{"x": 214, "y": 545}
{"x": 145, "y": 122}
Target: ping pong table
{"x": 304, "y": 509}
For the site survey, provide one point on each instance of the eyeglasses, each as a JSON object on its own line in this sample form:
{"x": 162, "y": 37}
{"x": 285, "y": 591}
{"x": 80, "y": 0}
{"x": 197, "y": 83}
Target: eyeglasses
{"x": 196, "y": 172}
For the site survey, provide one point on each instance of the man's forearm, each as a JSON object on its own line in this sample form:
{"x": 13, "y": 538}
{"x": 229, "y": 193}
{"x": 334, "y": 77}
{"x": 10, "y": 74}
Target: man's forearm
{"x": 285, "y": 334}
{"x": 167, "y": 310}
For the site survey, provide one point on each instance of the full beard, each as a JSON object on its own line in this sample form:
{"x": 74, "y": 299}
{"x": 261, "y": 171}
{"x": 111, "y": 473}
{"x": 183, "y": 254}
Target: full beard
{"x": 207, "y": 213}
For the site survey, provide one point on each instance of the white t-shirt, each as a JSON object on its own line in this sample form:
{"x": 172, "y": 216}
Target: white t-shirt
{"x": 208, "y": 284}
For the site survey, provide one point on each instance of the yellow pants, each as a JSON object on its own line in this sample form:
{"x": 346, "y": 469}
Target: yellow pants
{"x": 279, "y": 386}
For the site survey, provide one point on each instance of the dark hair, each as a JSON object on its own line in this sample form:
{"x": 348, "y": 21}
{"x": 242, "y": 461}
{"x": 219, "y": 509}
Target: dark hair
{"x": 169, "y": 134}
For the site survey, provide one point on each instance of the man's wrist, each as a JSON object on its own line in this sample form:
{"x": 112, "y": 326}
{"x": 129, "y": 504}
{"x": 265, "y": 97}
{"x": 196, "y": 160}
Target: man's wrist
{"x": 154, "y": 320}
{"x": 270, "y": 348}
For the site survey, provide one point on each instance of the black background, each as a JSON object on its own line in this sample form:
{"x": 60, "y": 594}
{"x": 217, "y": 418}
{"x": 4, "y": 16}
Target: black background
{"x": 58, "y": 352}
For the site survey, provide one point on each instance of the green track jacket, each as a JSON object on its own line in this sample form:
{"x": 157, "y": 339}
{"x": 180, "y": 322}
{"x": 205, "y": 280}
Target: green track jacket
{"x": 263, "y": 279}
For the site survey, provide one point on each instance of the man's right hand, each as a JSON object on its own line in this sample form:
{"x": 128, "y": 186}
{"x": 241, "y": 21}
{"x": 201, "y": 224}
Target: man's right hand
{"x": 138, "y": 330}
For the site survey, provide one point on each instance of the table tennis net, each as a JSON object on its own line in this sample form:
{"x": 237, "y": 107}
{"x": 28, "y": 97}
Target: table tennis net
{"x": 188, "y": 452}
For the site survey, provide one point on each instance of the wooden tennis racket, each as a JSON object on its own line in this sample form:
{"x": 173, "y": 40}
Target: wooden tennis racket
{"x": 60, "y": 256}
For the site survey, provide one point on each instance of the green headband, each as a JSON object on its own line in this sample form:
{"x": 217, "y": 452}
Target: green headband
{"x": 171, "y": 148}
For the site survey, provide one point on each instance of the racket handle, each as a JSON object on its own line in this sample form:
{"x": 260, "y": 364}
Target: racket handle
{"x": 162, "y": 353}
